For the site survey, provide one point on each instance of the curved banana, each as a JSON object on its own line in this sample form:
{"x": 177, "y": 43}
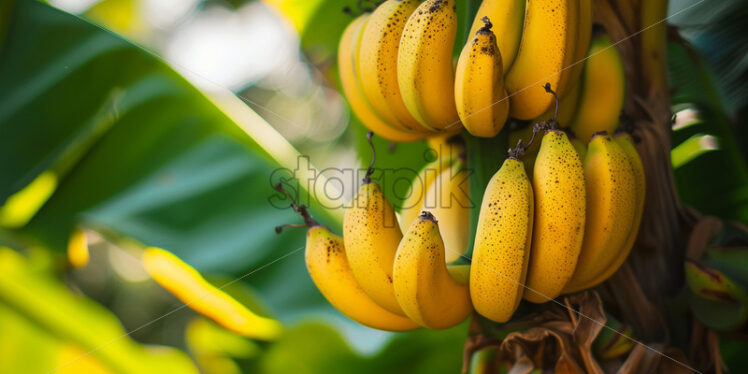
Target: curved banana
{"x": 653, "y": 42}
{"x": 380, "y": 43}
{"x": 581, "y": 47}
{"x": 424, "y": 64}
{"x": 570, "y": 100}
{"x": 507, "y": 17}
{"x": 502, "y": 243}
{"x": 611, "y": 203}
{"x": 625, "y": 142}
{"x": 448, "y": 199}
{"x": 371, "y": 235}
{"x": 445, "y": 145}
{"x": 348, "y": 53}
{"x": 482, "y": 104}
{"x": 424, "y": 287}
{"x": 328, "y": 266}
{"x": 545, "y": 54}
{"x": 413, "y": 205}
{"x": 559, "y": 190}
{"x": 603, "y": 90}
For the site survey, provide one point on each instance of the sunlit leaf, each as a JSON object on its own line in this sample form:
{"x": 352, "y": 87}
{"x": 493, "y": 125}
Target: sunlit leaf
{"x": 192, "y": 289}
{"x": 693, "y": 147}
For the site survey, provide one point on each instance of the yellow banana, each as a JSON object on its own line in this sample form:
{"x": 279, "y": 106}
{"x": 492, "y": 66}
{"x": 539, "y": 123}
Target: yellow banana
{"x": 611, "y": 203}
{"x": 507, "y": 17}
{"x": 424, "y": 287}
{"x": 603, "y": 89}
{"x": 624, "y": 141}
{"x": 582, "y": 46}
{"x": 445, "y": 145}
{"x": 559, "y": 190}
{"x": 348, "y": 53}
{"x": 482, "y": 104}
{"x": 546, "y": 51}
{"x": 328, "y": 266}
{"x": 570, "y": 100}
{"x": 371, "y": 234}
{"x": 378, "y": 62}
{"x": 502, "y": 243}
{"x": 424, "y": 64}
{"x": 448, "y": 199}
{"x": 421, "y": 184}
{"x": 653, "y": 14}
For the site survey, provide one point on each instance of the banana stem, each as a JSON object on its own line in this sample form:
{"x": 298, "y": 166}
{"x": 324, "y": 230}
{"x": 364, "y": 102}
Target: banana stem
{"x": 370, "y": 170}
{"x": 548, "y": 89}
{"x": 301, "y": 209}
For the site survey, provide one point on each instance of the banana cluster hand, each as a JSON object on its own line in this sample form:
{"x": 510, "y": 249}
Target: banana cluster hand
{"x": 560, "y": 215}
{"x": 567, "y": 225}
{"x": 396, "y": 67}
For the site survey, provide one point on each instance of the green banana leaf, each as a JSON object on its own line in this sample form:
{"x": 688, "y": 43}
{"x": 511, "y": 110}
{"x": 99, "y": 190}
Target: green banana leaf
{"x": 137, "y": 152}
{"x": 726, "y": 193}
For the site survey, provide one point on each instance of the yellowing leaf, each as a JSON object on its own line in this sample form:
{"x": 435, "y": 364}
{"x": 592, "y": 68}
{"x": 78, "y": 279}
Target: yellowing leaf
{"x": 22, "y": 205}
{"x": 184, "y": 282}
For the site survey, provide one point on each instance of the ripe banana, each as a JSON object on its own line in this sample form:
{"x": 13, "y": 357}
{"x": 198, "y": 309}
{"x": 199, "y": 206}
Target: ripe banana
{"x": 581, "y": 47}
{"x": 624, "y": 141}
{"x": 448, "y": 199}
{"x": 378, "y": 62}
{"x": 502, "y": 243}
{"x": 371, "y": 235}
{"x": 327, "y": 264}
{"x": 611, "y": 204}
{"x": 507, "y": 17}
{"x": 570, "y": 100}
{"x": 424, "y": 287}
{"x": 348, "y": 59}
{"x": 653, "y": 37}
{"x": 481, "y": 99}
{"x": 546, "y": 51}
{"x": 559, "y": 190}
{"x": 421, "y": 184}
{"x": 603, "y": 89}
{"x": 424, "y": 64}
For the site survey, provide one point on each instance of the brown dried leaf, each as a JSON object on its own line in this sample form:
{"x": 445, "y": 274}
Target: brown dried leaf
{"x": 702, "y": 232}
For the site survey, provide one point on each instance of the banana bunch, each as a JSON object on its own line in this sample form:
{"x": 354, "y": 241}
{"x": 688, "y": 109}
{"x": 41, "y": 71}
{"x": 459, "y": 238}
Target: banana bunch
{"x": 563, "y": 210}
{"x": 397, "y": 71}
{"x": 566, "y": 225}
